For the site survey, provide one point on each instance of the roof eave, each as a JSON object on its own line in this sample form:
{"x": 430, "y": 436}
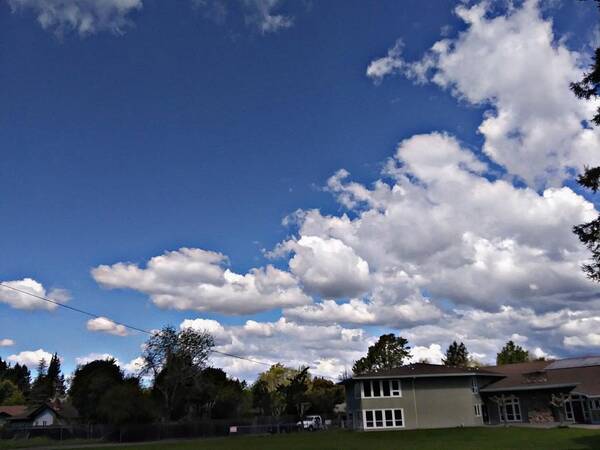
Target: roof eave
{"x": 528, "y": 388}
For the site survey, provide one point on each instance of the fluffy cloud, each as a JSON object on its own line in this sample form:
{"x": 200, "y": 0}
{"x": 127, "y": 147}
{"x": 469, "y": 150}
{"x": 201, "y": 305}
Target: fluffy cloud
{"x": 30, "y": 358}
{"x": 210, "y": 326}
{"x": 328, "y": 350}
{"x": 6, "y": 342}
{"x": 484, "y": 333}
{"x": 513, "y": 63}
{"x": 194, "y": 279}
{"x": 105, "y": 325}
{"x": 83, "y": 16}
{"x": 328, "y": 267}
{"x": 582, "y": 331}
{"x": 82, "y": 360}
{"x": 133, "y": 367}
{"x": 19, "y": 300}
{"x": 443, "y": 227}
{"x": 367, "y": 312}
{"x": 432, "y": 354}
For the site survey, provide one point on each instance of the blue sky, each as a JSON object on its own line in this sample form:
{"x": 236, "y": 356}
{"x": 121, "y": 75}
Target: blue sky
{"x": 184, "y": 129}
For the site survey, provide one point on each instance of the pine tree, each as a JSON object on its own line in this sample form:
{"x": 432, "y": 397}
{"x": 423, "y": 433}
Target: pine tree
{"x": 456, "y": 355}
{"x": 588, "y": 88}
{"x": 512, "y": 353}
{"x": 56, "y": 380}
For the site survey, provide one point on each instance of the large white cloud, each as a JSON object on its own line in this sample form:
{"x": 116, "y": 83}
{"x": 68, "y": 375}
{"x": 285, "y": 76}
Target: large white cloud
{"x": 31, "y": 358}
{"x": 442, "y": 227}
{"x": 83, "y": 16}
{"x": 106, "y": 325}
{"x": 327, "y": 349}
{"x": 194, "y": 279}
{"x": 513, "y": 63}
{"x": 19, "y": 300}
{"x": 328, "y": 267}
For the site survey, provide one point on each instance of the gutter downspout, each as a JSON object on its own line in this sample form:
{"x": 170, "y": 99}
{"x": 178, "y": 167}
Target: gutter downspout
{"x": 415, "y": 403}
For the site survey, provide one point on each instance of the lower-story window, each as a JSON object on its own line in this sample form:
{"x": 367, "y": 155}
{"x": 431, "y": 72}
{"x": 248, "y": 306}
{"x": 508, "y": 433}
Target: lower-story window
{"x": 513, "y": 410}
{"x": 384, "y": 418}
{"x": 477, "y": 408}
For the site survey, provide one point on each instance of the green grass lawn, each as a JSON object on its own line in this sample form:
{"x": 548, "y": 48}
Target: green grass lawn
{"x": 447, "y": 439}
{"x": 9, "y": 444}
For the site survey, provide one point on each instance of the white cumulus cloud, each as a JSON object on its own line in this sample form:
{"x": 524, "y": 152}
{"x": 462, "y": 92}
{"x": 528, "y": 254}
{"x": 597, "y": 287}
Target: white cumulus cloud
{"x": 105, "y": 325}
{"x": 194, "y": 279}
{"x": 20, "y": 300}
{"x": 514, "y": 64}
{"x": 31, "y": 358}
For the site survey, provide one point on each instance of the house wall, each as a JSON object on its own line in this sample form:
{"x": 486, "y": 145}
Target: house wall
{"x": 532, "y": 403}
{"x": 435, "y": 402}
{"x": 45, "y": 418}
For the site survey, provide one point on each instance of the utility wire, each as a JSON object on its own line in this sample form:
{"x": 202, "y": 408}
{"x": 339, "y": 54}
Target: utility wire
{"x": 131, "y": 327}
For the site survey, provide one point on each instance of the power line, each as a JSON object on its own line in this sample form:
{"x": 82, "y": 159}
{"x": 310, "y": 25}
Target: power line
{"x": 80, "y": 311}
{"x": 131, "y": 327}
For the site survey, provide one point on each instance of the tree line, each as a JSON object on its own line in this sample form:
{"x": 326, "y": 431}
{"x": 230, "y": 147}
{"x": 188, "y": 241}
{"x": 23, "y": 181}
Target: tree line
{"x": 176, "y": 383}
{"x": 391, "y": 351}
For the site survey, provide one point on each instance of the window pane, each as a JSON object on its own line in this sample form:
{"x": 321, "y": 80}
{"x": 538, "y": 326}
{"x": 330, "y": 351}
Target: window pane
{"x": 379, "y": 418}
{"x": 395, "y": 387}
{"x": 398, "y": 417}
{"x": 517, "y": 410}
{"x": 376, "y": 389}
{"x": 389, "y": 418}
{"x": 367, "y": 388}
{"x": 509, "y": 412}
{"x": 369, "y": 416}
{"x": 386, "y": 388}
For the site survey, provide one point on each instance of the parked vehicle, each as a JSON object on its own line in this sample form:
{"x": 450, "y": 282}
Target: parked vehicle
{"x": 311, "y": 423}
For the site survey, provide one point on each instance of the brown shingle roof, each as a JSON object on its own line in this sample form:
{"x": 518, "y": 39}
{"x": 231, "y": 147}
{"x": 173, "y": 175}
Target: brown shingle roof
{"x": 540, "y": 375}
{"x": 427, "y": 370}
{"x": 13, "y": 410}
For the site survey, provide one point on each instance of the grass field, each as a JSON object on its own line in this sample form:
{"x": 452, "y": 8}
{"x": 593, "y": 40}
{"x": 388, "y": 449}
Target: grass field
{"x": 448, "y": 439}
{"x": 10, "y": 444}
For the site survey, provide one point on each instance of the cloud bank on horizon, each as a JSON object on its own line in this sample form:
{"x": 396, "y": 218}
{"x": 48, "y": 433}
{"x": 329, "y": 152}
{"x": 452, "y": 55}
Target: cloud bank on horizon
{"x": 442, "y": 246}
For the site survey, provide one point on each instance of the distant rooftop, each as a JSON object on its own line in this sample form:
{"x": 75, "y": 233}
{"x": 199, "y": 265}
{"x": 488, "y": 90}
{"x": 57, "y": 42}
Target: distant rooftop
{"x": 571, "y": 363}
{"x": 427, "y": 370}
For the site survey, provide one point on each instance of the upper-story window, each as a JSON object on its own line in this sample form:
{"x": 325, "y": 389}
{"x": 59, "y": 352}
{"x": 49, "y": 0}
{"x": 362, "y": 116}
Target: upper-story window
{"x": 474, "y": 385}
{"x": 381, "y": 388}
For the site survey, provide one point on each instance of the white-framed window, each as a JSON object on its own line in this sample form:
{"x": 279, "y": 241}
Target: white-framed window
{"x": 477, "y": 409}
{"x": 595, "y": 403}
{"x": 513, "y": 410}
{"x": 474, "y": 385}
{"x": 569, "y": 410}
{"x": 381, "y": 388}
{"x": 383, "y": 418}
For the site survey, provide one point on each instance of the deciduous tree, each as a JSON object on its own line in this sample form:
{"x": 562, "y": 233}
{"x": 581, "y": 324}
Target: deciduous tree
{"x": 387, "y": 353}
{"x": 175, "y": 359}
